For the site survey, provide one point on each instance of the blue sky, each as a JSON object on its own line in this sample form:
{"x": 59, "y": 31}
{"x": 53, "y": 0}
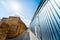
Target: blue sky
{"x": 25, "y": 9}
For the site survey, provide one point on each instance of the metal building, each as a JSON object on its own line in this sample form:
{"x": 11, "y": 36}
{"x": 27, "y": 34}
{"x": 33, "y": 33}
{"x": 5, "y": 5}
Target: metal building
{"x": 45, "y": 23}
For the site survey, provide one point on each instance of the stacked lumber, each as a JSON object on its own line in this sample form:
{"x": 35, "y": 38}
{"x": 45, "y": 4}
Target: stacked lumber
{"x": 16, "y": 26}
{"x": 3, "y": 30}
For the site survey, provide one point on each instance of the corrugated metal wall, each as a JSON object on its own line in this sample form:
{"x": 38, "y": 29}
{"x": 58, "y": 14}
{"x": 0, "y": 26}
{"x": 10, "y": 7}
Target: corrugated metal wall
{"x": 46, "y": 24}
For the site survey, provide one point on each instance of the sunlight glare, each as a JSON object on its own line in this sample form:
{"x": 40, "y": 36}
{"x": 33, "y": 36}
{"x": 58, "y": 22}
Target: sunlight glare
{"x": 15, "y": 6}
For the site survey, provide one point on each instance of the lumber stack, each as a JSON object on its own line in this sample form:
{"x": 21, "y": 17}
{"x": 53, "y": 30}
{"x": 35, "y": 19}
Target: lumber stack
{"x": 12, "y": 27}
{"x": 3, "y": 30}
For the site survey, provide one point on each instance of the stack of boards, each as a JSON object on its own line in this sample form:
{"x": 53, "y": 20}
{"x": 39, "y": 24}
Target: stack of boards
{"x": 3, "y": 30}
{"x": 11, "y": 27}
